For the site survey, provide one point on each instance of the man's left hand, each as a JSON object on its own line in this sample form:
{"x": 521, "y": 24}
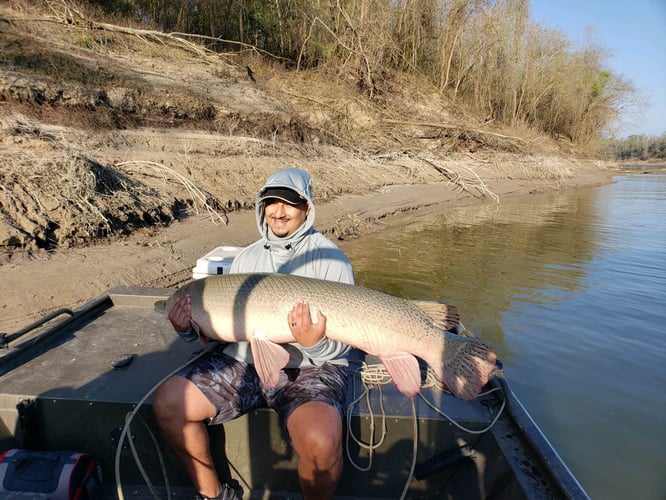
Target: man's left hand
{"x": 302, "y": 328}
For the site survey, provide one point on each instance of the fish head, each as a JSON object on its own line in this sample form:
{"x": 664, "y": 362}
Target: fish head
{"x": 165, "y": 306}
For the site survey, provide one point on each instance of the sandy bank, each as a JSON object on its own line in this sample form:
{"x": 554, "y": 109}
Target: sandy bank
{"x": 32, "y": 287}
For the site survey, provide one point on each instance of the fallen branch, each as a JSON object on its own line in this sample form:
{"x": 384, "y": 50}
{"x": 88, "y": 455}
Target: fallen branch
{"x": 65, "y": 12}
{"x": 464, "y": 185}
{"x": 253, "y": 48}
{"x": 196, "y": 194}
{"x": 454, "y": 127}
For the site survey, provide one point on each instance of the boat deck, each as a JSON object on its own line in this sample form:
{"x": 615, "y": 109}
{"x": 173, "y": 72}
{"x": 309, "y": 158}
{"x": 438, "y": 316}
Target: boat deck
{"x": 59, "y": 390}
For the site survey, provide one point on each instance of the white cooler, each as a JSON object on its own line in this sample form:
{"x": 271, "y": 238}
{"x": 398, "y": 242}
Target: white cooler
{"x": 217, "y": 261}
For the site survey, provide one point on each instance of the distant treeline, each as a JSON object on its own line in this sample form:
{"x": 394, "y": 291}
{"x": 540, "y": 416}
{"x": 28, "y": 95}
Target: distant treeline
{"x": 484, "y": 54}
{"x": 638, "y": 147}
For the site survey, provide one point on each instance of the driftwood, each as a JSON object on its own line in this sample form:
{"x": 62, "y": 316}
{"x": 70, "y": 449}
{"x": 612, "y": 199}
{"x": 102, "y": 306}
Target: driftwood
{"x": 468, "y": 186}
{"x": 454, "y": 127}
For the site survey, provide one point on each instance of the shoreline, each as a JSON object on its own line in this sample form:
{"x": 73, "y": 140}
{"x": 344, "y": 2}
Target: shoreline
{"x": 164, "y": 257}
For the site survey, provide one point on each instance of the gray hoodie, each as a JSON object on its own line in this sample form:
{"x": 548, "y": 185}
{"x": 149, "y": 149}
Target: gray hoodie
{"x": 307, "y": 253}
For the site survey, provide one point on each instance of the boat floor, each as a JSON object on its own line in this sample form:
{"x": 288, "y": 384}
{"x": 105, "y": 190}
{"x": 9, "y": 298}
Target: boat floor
{"x": 59, "y": 390}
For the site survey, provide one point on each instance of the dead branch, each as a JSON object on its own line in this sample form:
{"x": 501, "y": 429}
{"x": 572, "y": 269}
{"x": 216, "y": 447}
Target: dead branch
{"x": 455, "y": 127}
{"x": 196, "y": 193}
{"x": 251, "y": 47}
{"x": 66, "y": 13}
{"x": 306, "y": 98}
{"x": 465, "y": 185}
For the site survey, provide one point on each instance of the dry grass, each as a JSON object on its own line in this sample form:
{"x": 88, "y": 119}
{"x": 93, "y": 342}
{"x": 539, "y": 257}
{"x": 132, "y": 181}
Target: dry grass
{"x": 199, "y": 197}
{"x": 54, "y": 194}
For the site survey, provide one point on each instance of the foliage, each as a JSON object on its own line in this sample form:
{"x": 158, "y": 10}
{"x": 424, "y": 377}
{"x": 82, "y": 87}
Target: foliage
{"x": 483, "y": 54}
{"x": 638, "y": 147}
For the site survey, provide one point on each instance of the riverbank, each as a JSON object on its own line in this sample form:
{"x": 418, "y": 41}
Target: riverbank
{"x": 120, "y": 165}
{"x": 34, "y": 285}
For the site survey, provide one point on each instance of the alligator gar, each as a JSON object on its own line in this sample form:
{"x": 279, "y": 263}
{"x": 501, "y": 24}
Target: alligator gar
{"x": 254, "y": 308}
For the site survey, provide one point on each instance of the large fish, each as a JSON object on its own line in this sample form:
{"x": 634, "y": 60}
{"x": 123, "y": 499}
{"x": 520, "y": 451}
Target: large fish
{"x": 254, "y": 308}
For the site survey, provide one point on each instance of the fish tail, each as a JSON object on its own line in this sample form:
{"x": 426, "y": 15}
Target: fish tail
{"x": 467, "y": 365}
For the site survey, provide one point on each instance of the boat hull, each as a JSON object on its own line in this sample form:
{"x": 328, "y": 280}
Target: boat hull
{"x": 59, "y": 390}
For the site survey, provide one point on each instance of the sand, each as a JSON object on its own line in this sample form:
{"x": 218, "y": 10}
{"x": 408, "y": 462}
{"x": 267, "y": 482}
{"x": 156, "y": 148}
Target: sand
{"x": 33, "y": 286}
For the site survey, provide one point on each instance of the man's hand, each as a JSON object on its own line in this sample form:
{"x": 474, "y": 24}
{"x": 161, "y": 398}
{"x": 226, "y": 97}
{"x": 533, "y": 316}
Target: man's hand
{"x": 302, "y": 328}
{"x": 180, "y": 314}
{"x": 181, "y": 320}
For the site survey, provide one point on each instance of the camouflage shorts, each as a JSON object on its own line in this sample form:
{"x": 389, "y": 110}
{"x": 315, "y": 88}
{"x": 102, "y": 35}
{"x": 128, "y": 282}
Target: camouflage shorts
{"x": 234, "y": 388}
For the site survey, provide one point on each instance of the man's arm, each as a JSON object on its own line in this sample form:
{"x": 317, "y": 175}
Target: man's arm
{"x": 180, "y": 315}
{"x": 302, "y": 328}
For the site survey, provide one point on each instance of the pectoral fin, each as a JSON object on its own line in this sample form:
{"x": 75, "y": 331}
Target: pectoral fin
{"x": 269, "y": 359}
{"x": 405, "y": 372}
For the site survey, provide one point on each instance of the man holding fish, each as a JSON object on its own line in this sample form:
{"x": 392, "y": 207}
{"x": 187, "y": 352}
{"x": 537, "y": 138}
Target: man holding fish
{"x": 308, "y": 394}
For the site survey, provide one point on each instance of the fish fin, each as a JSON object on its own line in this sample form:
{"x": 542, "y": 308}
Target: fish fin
{"x": 444, "y": 316}
{"x": 468, "y": 363}
{"x": 269, "y": 359}
{"x": 203, "y": 338}
{"x": 405, "y": 372}
{"x": 195, "y": 326}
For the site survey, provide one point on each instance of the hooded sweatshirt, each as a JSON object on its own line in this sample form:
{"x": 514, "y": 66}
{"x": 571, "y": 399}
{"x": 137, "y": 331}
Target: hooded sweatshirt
{"x": 307, "y": 253}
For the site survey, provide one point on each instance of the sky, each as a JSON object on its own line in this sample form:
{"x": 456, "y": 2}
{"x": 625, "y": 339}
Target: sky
{"x": 634, "y": 32}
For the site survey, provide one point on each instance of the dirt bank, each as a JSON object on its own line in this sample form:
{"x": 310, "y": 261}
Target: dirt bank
{"x": 124, "y": 159}
{"x": 32, "y": 287}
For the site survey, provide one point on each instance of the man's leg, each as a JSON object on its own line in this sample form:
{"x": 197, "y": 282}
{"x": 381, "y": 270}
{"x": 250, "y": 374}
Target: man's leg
{"x": 315, "y": 429}
{"x": 181, "y": 409}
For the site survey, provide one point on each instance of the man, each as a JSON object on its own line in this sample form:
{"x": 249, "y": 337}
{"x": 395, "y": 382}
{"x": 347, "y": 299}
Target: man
{"x": 223, "y": 384}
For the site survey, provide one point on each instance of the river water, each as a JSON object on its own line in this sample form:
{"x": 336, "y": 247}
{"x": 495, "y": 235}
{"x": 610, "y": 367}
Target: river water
{"x": 570, "y": 289}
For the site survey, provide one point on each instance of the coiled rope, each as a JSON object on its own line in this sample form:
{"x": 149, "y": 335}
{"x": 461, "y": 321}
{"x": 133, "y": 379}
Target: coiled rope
{"x": 375, "y": 376}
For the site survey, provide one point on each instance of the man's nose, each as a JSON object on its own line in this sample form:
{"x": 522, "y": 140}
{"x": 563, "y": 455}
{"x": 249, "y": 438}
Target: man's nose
{"x": 279, "y": 208}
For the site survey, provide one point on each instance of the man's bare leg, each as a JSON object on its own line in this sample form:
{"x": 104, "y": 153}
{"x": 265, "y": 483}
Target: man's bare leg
{"x": 181, "y": 409}
{"x": 315, "y": 429}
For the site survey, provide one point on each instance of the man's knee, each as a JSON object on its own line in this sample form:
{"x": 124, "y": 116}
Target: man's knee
{"x": 179, "y": 400}
{"x": 322, "y": 441}
{"x": 316, "y": 434}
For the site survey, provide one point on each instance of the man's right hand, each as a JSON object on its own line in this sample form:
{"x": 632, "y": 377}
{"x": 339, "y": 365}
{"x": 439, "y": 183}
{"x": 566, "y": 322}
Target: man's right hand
{"x": 180, "y": 315}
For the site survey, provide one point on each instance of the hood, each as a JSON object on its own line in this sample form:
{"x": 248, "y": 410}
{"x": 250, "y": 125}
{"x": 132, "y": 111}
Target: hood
{"x": 301, "y": 182}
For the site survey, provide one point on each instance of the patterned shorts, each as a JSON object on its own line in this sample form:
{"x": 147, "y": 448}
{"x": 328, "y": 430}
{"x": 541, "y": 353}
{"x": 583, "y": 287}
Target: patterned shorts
{"x": 234, "y": 388}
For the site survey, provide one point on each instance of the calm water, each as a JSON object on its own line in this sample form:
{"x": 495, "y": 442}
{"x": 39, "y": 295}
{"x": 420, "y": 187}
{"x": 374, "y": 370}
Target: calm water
{"x": 570, "y": 289}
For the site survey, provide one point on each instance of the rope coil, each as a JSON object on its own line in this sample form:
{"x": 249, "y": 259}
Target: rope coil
{"x": 375, "y": 376}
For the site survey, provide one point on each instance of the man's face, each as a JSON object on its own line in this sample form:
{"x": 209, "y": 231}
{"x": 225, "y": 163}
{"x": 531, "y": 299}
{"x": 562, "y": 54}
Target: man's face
{"x": 284, "y": 219}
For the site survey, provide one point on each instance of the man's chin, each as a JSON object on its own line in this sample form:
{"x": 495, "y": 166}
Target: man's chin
{"x": 280, "y": 234}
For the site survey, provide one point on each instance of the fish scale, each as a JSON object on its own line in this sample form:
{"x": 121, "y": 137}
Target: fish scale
{"x": 254, "y": 308}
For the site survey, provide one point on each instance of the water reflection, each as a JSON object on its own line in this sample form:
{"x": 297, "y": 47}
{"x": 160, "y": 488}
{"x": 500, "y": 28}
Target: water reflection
{"x": 483, "y": 259}
{"x": 570, "y": 289}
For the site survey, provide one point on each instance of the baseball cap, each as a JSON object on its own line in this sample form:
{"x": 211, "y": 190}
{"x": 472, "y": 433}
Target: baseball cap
{"x": 282, "y": 193}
